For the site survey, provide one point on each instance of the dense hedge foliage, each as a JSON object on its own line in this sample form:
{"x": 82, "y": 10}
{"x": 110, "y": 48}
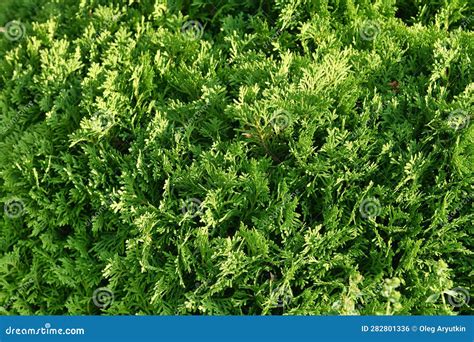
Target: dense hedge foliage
{"x": 236, "y": 157}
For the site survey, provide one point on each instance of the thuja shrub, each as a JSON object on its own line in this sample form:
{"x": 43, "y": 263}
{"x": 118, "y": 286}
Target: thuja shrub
{"x": 236, "y": 157}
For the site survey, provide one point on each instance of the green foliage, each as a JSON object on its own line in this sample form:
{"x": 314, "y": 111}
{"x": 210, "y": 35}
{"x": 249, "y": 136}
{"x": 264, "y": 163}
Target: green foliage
{"x": 237, "y": 157}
